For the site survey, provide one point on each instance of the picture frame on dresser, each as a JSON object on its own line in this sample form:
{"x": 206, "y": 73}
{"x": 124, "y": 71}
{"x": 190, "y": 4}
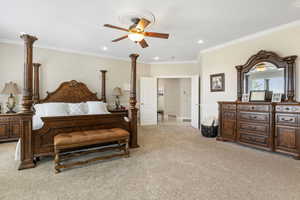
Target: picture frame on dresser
{"x": 246, "y": 98}
{"x": 276, "y": 97}
{"x": 258, "y": 95}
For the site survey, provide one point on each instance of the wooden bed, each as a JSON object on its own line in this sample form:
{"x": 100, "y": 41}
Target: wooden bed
{"x": 36, "y": 143}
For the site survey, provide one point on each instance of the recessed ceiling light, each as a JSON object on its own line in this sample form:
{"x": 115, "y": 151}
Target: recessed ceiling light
{"x": 200, "y": 41}
{"x": 156, "y": 58}
{"x": 104, "y": 48}
{"x": 297, "y": 3}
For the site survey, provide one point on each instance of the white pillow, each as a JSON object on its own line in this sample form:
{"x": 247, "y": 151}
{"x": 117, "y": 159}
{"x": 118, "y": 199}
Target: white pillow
{"x": 78, "y": 108}
{"x": 97, "y": 107}
{"x": 39, "y": 110}
{"x": 56, "y": 109}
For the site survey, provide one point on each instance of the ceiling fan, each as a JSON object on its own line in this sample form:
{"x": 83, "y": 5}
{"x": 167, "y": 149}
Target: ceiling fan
{"x": 137, "y": 32}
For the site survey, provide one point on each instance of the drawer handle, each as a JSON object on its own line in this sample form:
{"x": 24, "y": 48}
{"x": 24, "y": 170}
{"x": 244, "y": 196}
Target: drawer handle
{"x": 287, "y": 108}
{"x": 287, "y": 120}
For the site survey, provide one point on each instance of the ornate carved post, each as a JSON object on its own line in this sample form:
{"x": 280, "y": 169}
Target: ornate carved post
{"x": 291, "y": 82}
{"x": 239, "y": 78}
{"x": 103, "y": 85}
{"x": 36, "y": 82}
{"x": 26, "y": 112}
{"x": 132, "y": 101}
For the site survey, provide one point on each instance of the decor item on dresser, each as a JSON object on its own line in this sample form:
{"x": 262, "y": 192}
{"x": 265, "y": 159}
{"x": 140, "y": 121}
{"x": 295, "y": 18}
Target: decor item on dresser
{"x": 217, "y": 82}
{"x": 258, "y": 95}
{"x": 117, "y": 92}
{"x": 246, "y": 98}
{"x": 276, "y": 97}
{"x": 37, "y": 142}
{"x": 11, "y": 89}
{"x": 267, "y": 125}
{"x": 9, "y": 127}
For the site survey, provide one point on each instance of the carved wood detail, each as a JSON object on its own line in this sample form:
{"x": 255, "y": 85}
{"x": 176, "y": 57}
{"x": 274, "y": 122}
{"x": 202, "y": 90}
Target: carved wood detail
{"x": 36, "y": 82}
{"x": 132, "y": 112}
{"x": 288, "y": 63}
{"x": 71, "y": 92}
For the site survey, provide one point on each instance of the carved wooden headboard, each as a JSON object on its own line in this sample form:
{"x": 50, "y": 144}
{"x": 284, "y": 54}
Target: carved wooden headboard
{"x": 68, "y": 92}
{"x": 71, "y": 92}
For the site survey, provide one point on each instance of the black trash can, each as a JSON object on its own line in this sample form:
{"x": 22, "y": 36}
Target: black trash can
{"x": 209, "y": 131}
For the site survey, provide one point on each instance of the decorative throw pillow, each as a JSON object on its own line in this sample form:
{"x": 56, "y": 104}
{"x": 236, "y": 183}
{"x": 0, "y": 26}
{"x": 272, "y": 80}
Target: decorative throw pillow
{"x": 77, "y": 108}
{"x": 39, "y": 109}
{"x": 97, "y": 107}
{"x": 56, "y": 109}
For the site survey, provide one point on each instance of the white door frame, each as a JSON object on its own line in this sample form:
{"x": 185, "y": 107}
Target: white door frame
{"x": 180, "y": 76}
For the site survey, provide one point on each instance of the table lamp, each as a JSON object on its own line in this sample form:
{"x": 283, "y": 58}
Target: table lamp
{"x": 117, "y": 92}
{"x": 10, "y": 89}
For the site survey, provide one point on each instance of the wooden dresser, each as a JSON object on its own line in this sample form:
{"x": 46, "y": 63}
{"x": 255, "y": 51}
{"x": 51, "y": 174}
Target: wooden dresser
{"x": 265, "y": 125}
{"x": 259, "y": 122}
{"x": 9, "y": 127}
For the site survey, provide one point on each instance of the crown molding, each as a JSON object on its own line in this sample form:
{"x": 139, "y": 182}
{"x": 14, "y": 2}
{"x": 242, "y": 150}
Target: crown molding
{"x": 252, "y": 36}
{"x": 15, "y": 42}
{"x": 174, "y": 62}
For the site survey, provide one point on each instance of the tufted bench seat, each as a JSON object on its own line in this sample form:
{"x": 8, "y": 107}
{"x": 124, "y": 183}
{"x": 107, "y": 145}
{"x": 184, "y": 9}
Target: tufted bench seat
{"x": 80, "y": 139}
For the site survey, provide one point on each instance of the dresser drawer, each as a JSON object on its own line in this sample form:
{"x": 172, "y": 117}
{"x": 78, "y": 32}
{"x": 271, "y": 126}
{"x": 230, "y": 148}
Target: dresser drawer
{"x": 261, "y": 129}
{"x": 229, "y": 106}
{"x": 259, "y": 108}
{"x": 288, "y": 108}
{"x": 254, "y": 139}
{"x": 255, "y": 117}
{"x": 286, "y": 119}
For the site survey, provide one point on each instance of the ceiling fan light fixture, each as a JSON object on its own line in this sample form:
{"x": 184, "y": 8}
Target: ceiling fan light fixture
{"x": 136, "y": 37}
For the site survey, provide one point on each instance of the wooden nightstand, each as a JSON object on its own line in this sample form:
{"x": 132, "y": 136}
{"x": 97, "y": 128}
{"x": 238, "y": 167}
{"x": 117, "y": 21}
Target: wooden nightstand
{"x": 9, "y": 127}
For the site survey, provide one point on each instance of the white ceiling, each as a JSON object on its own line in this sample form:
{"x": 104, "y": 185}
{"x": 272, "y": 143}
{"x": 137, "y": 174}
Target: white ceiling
{"x": 77, "y": 25}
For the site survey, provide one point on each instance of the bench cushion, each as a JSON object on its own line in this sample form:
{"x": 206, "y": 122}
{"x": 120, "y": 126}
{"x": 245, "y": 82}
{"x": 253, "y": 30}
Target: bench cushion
{"x": 90, "y": 137}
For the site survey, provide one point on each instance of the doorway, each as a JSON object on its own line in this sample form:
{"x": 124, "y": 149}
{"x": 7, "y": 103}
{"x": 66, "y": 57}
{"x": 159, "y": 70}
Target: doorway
{"x": 174, "y": 100}
{"x": 167, "y": 97}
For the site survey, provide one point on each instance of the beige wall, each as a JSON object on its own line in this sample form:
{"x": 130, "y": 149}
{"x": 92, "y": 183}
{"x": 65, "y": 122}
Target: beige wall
{"x": 284, "y": 42}
{"x": 180, "y": 69}
{"x": 60, "y": 66}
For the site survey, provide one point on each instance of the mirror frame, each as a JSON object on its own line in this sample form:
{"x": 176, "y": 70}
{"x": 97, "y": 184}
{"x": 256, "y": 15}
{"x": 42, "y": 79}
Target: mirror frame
{"x": 288, "y": 63}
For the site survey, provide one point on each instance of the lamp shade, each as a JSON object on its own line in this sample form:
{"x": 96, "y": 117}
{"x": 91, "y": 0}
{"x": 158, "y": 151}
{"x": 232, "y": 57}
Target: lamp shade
{"x": 10, "y": 88}
{"x": 117, "y": 91}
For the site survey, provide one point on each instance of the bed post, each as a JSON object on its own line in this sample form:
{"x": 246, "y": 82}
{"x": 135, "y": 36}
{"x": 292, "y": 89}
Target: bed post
{"x": 26, "y": 112}
{"x": 132, "y": 112}
{"x": 36, "y": 82}
{"x": 103, "y": 85}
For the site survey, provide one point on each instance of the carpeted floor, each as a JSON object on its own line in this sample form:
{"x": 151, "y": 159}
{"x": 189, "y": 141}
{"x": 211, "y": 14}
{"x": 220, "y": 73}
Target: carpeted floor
{"x": 173, "y": 162}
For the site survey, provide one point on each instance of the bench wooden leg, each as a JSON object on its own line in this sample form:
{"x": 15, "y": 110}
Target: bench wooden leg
{"x": 127, "y": 148}
{"x": 57, "y": 162}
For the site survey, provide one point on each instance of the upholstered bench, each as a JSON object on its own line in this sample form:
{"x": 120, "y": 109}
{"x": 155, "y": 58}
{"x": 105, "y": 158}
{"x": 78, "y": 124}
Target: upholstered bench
{"x": 65, "y": 142}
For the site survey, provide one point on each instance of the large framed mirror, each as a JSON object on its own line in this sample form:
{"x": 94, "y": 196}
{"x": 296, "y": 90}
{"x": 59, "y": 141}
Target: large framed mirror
{"x": 266, "y": 71}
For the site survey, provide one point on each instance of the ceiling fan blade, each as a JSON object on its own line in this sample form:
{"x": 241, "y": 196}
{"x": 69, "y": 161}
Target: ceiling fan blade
{"x": 143, "y": 23}
{"x": 143, "y": 43}
{"x": 115, "y": 27}
{"x": 158, "y": 35}
{"x": 121, "y": 38}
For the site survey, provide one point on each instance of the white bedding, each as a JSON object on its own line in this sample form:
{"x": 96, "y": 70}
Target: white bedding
{"x": 41, "y": 110}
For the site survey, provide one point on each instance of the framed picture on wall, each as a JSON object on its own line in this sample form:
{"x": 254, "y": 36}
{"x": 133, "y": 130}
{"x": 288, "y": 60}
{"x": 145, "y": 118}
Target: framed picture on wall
{"x": 217, "y": 82}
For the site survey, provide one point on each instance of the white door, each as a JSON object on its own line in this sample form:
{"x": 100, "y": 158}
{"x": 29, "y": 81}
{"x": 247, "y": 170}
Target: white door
{"x": 195, "y": 105}
{"x": 148, "y": 99}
